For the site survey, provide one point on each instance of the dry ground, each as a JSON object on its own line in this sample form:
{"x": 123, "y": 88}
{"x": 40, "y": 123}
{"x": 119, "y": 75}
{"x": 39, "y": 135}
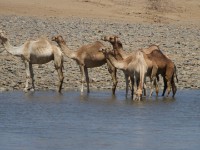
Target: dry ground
{"x": 164, "y": 11}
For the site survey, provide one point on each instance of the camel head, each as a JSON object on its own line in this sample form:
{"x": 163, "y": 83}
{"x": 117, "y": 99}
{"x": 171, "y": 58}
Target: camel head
{"x": 114, "y": 40}
{"x": 105, "y": 50}
{"x": 111, "y": 39}
{"x": 3, "y": 39}
{"x": 58, "y": 39}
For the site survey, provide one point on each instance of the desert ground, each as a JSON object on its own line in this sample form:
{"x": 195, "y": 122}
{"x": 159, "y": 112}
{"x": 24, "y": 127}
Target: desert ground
{"x": 165, "y": 11}
{"x": 173, "y": 24}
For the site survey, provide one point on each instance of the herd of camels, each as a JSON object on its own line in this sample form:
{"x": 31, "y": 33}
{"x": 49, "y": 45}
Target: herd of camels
{"x": 136, "y": 66}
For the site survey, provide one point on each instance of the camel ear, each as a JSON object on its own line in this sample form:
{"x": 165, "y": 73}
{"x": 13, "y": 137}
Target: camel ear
{"x": 116, "y": 38}
{"x": 101, "y": 49}
{"x": 53, "y": 38}
{"x": 2, "y": 32}
{"x": 157, "y": 44}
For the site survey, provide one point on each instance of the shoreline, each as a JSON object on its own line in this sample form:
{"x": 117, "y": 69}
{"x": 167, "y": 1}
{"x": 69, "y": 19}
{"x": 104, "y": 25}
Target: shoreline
{"x": 179, "y": 42}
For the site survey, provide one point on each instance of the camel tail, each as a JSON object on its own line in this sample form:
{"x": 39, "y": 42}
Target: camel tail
{"x": 175, "y": 73}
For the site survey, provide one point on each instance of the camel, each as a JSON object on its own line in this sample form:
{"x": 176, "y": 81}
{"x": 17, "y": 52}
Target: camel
{"x": 153, "y": 67}
{"x": 40, "y": 51}
{"x": 121, "y": 54}
{"x": 87, "y": 56}
{"x": 133, "y": 65}
{"x": 165, "y": 67}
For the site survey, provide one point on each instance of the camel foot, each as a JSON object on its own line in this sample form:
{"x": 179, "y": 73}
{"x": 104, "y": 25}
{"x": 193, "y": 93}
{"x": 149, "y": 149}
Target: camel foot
{"x": 58, "y": 90}
{"x": 137, "y": 98}
{"x": 32, "y": 90}
{"x": 25, "y": 89}
{"x": 29, "y": 89}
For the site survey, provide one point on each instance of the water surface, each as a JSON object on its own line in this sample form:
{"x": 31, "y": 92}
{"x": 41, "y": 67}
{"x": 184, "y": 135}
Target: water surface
{"x": 45, "y": 120}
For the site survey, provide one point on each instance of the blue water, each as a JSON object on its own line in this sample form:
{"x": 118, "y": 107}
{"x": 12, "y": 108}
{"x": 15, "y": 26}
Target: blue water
{"x": 45, "y": 120}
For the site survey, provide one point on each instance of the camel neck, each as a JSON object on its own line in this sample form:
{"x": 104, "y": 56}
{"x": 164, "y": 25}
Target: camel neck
{"x": 69, "y": 53}
{"x": 11, "y": 49}
{"x": 117, "y": 47}
{"x": 117, "y": 64}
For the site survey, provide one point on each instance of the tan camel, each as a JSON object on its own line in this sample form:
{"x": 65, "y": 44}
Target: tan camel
{"x": 40, "y": 51}
{"x": 133, "y": 65}
{"x": 152, "y": 69}
{"x": 87, "y": 56}
{"x": 121, "y": 54}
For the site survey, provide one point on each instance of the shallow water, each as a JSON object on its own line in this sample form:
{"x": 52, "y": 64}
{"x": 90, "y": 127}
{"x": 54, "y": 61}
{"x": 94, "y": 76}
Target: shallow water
{"x": 45, "y": 120}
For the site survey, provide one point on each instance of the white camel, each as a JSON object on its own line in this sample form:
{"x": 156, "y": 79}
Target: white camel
{"x": 40, "y": 51}
{"x": 133, "y": 65}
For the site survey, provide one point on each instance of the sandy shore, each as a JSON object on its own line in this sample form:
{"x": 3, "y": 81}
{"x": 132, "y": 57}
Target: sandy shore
{"x": 82, "y": 22}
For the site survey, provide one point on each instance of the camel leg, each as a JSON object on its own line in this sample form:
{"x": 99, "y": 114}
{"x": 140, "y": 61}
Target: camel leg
{"x": 168, "y": 87}
{"x": 82, "y": 77}
{"x": 154, "y": 83}
{"x": 169, "y": 76}
{"x": 132, "y": 86}
{"x": 137, "y": 84}
{"x": 113, "y": 71}
{"x": 87, "y": 79}
{"x": 165, "y": 86}
{"x": 174, "y": 88}
{"x": 114, "y": 78}
{"x": 58, "y": 64}
{"x": 127, "y": 83}
{"x": 32, "y": 77}
{"x": 145, "y": 87}
{"x": 28, "y": 74}
{"x": 151, "y": 88}
{"x": 139, "y": 90}
{"x": 141, "y": 83}
{"x": 153, "y": 79}
{"x": 156, "y": 86}
{"x": 61, "y": 78}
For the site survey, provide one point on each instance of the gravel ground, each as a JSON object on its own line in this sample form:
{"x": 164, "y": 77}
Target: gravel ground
{"x": 180, "y": 42}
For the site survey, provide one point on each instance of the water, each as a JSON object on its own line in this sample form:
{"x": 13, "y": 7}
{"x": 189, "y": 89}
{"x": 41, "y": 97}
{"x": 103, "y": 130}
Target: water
{"x": 98, "y": 121}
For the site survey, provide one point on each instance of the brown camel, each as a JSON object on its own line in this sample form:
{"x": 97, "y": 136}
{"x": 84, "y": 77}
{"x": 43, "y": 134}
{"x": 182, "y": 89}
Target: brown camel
{"x": 121, "y": 54}
{"x": 87, "y": 56}
{"x": 165, "y": 67}
{"x": 40, "y": 51}
{"x": 133, "y": 65}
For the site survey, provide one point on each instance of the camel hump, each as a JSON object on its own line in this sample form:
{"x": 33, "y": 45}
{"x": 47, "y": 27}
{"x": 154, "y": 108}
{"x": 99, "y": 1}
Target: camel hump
{"x": 98, "y": 43}
{"x": 94, "y": 45}
{"x": 150, "y": 49}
